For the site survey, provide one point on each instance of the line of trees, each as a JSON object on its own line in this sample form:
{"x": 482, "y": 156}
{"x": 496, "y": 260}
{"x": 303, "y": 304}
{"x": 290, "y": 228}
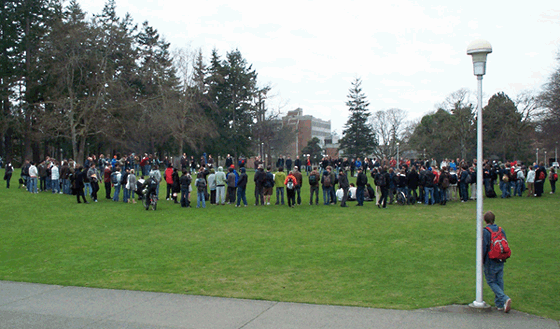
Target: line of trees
{"x": 70, "y": 86}
{"x": 513, "y": 128}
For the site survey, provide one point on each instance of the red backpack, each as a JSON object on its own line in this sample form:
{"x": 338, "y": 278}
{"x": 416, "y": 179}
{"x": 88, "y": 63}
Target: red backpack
{"x": 499, "y": 248}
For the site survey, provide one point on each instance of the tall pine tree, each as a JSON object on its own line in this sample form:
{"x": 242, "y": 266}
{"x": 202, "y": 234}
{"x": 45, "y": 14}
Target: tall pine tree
{"x": 358, "y": 136}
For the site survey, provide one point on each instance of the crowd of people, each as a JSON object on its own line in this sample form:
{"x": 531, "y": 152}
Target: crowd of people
{"x": 379, "y": 181}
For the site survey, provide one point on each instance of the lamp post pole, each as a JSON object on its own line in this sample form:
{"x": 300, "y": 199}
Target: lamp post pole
{"x": 537, "y": 156}
{"x": 479, "y": 50}
{"x": 398, "y": 158}
{"x": 545, "y": 160}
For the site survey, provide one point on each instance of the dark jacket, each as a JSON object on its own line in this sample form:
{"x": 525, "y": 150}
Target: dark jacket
{"x": 343, "y": 181}
{"x": 361, "y": 180}
{"x": 429, "y": 178}
{"x": 242, "y": 183}
{"x": 412, "y": 180}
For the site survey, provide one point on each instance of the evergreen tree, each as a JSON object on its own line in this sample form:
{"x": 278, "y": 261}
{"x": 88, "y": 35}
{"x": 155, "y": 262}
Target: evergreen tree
{"x": 358, "y": 136}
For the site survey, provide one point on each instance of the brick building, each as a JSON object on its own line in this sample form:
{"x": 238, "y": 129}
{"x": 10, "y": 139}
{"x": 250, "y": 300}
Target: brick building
{"x": 306, "y": 127}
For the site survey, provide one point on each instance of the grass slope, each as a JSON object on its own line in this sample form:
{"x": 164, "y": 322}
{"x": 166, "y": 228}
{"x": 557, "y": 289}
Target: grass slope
{"x": 401, "y": 257}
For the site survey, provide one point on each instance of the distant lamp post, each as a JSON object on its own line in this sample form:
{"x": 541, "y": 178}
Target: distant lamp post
{"x": 479, "y": 50}
{"x": 545, "y": 160}
{"x": 398, "y": 162}
{"x": 537, "y": 156}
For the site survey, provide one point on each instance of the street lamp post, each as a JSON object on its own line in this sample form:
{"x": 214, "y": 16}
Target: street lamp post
{"x": 479, "y": 50}
{"x": 545, "y": 159}
{"x": 398, "y": 160}
{"x": 537, "y": 156}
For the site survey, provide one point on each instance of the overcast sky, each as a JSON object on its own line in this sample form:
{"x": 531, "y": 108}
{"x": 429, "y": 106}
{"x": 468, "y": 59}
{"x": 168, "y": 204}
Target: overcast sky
{"x": 409, "y": 54}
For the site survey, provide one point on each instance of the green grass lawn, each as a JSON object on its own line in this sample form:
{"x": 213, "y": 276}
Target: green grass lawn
{"x": 403, "y": 257}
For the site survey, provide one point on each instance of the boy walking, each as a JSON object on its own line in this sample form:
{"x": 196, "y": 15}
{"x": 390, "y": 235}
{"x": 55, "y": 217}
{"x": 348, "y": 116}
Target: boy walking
{"x": 494, "y": 268}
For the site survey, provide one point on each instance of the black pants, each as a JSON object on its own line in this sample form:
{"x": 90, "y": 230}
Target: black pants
{"x": 107, "y": 190}
{"x": 94, "y": 189}
{"x": 314, "y": 190}
{"x": 231, "y": 194}
{"x": 384, "y": 194}
{"x": 291, "y": 193}
{"x": 344, "y": 197}
{"x": 8, "y": 177}
{"x": 80, "y": 192}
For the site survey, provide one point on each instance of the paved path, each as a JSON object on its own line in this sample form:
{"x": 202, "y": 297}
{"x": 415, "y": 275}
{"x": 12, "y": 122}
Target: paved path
{"x": 30, "y": 306}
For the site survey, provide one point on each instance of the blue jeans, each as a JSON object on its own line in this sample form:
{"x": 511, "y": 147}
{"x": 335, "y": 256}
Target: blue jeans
{"x": 464, "y": 191}
{"x": 55, "y": 186}
{"x": 32, "y": 185}
{"x": 241, "y": 196}
{"x": 117, "y": 191}
{"x": 519, "y": 187}
{"x": 279, "y": 193}
{"x": 125, "y": 195}
{"x": 504, "y": 187}
{"x": 360, "y": 195}
{"x": 184, "y": 197}
{"x": 66, "y": 186}
{"x": 314, "y": 190}
{"x": 428, "y": 194}
{"x": 298, "y": 194}
{"x": 327, "y": 195}
{"x": 87, "y": 189}
{"x": 200, "y": 200}
{"x": 494, "y": 273}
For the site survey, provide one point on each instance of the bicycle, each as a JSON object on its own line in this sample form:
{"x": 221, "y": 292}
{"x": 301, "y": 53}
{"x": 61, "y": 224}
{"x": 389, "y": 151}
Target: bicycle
{"x": 149, "y": 200}
{"x": 401, "y": 198}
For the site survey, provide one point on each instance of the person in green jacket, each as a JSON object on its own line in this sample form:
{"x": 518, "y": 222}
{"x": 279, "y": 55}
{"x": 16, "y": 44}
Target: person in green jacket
{"x": 279, "y": 178}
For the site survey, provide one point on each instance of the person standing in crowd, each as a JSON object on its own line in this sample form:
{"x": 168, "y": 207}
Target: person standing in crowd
{"x": 553, "y": 177}
{"x": 116, "y": 180}
{"x": 94, "y": 178}
{"x": 279, "y": 179}
{"x": 314, "y": 179}
{"x": 494, "y": 268}
{"x": 444, "y": 182}
{"x": 297, "y": 174}
{"x": 242, "y": 187}
{"x": 176, "y": 186}
{"x": 464, "y": 183}
{"x": 42, "y": 168}
{"x": 289, "y": 164}
{"x": 344, "y": 185}
{"x": 64, "y": 175}
{"x": 79, "y": 184}
{"x": 156, "y": 175}
{"x": 130, "y": 185}
{"x": 168, "y": 174}
{"x": 33, "y": 175}
{"x": 220, "y": 186}
{"x": 185, "y": 182}
{"x": 200, "y": 185}
{"x": 361, "y": 182}
{"x": 540, "y": 178}
{"x": 231, "y": 178}
{"x": 259, "y": 178}
{"x": 9, "y": 169}
{"x": 327, "y": 186}
{"x": 291, "y": 183}
{"x": 384, "y": 184}
{"x": 107, "y": 181}
{"x": 268, "y": 185}
{"x": 211, "y": 182}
